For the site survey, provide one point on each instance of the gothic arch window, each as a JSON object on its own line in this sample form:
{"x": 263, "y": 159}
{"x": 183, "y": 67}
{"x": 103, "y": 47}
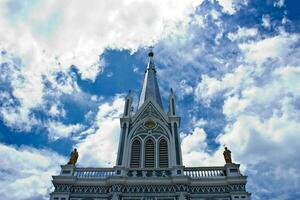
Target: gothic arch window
{"x": 163, "y": 153}
{"x": 149, "y": 153}
{"x": 135, "y": 161}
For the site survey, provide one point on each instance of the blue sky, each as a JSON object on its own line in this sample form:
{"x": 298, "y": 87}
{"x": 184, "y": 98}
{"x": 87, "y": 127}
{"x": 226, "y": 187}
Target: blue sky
{"x": 65, "y": 68}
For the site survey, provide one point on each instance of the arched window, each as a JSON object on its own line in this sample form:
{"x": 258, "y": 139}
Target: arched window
{"x": 149, "y": 154}
{"x": 135, "y": 161}
{"x": 163, "y": 153}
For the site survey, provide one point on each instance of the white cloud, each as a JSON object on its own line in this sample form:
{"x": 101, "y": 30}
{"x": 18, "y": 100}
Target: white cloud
{"x": 210, "y": 85}
{"x": 26, "y": 172}
{"x": 234, "y": 105}
{"x": 242, "y": 79}
{"x": 277, "y": 47}
{"x": 198, "y": 20}
{"x": 185, "y": 88}
{"x": 57, "y": 110}
{"x": 242, "y": 32}
{"x": 194, "y": 150}
{"x": 199, "y": 122}
{"x": 100, "y": 148}
{"x": 266, "y": 21}
{"x": 194, "y": 141}
{"x": 262, "y": 134}
{"x": 231, "y": 82}
{"x": 260, "y": 89}
{"x": 59, "y": 130}
{"x": 49, "y": 36}
{"x": 279, "y": 3}
{"x": 114, "y": 24}
{"x": 28, "y": 90}
{"x": 228, "y": 6}
{"x": 215, "y": 14}
{"x": 264, "y": 115}
{"x": 267, "y": 148}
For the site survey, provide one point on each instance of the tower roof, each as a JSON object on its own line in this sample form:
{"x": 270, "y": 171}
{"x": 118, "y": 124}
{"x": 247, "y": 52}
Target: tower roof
{"x": 150, "y": 86}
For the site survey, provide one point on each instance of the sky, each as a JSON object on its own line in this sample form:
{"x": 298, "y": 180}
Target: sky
{"x": 66, "y": 66}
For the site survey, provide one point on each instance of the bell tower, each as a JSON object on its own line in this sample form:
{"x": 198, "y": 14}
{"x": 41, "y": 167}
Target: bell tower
{"x": 149, "y": 161}
{"x": 150, "y": 137}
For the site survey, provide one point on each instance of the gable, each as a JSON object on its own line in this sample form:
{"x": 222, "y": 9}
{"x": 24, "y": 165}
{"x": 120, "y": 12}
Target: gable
{"x": 150, "y": 109}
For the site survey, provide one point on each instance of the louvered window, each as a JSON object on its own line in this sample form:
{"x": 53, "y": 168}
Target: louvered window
{"x": 149, "y": 154}
{"x": 135, "y": 154}
{"x": 163, "y": 153}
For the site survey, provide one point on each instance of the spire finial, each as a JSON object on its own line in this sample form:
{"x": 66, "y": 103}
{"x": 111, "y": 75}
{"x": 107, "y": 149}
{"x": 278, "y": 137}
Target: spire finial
{"x": 151, "y": 54}
{"x": 150, "y": 60}
{"x": 171, "y": 91}
{"x": 128, "y": 94}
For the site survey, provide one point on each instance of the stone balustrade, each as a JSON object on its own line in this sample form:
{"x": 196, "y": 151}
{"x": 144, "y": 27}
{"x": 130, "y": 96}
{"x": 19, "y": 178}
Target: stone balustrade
{"x": 204, "y": 172}
{"x": 193, "y": 172}
{"x": 94, "y": 172}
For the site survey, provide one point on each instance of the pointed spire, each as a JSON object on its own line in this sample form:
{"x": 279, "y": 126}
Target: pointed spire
{"x": 171, "y": 91}
{"x": 172, "y": 103}
{"x": 150, "y": 85}
{"x": 128, "y": 102}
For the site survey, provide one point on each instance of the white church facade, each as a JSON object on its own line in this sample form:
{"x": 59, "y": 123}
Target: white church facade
{"x": 149, "y": 161}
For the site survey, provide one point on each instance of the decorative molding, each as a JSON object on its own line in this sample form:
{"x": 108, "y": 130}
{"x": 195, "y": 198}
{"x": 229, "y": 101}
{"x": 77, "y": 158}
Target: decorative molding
{"x": 137, "y": 189}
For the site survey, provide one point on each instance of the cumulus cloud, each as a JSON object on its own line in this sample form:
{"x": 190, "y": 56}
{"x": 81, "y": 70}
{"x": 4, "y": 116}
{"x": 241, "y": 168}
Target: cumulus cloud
{"x": 270, "y": 48}
{"x": 267, "y": 148}
{"x": 194, "y": 150}
{"x": 57, "y": 110}
{"x": 48, "y": 31}
{"x": 25, "y": 90}
{"x": 100, "y": 147}
{"x": 261, "y": 103}
{"x": 258, "y": 94}
{"x": 40, "y": 43}
{"x": 256, "y": 76}
{"x": 242, "y": 33}
{"x": 228, "y": 6}
{"x": 26, "y": 172}
{"x": 59, "y": 130}
{"x": 279, "y": 3}
{"x": 244, "y": 76}
{"x": 266, "y": 21}
{"x": 185, "y": 88}
{"x": 231, "y": 83}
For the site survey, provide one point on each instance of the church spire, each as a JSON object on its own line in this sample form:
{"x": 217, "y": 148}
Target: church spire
{"x": 150, "y": 86}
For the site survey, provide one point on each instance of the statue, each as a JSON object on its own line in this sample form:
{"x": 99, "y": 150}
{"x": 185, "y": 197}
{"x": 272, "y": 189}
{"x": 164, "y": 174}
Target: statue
{"x": 73, "y": 157}
{"x": 227, "y": 155}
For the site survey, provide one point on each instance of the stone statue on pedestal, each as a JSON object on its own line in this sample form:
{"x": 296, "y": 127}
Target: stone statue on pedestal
{"x": 227, "y": 155}
{"x": 73, "y": 157}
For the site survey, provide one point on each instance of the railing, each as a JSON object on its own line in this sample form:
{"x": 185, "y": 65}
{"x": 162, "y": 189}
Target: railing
{"x": 94, "y": 172}
{"x": 204, "y": 172}
{"x": 193, "y": 172}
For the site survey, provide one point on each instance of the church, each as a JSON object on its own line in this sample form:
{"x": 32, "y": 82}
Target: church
{"x": 149, "y": 161}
